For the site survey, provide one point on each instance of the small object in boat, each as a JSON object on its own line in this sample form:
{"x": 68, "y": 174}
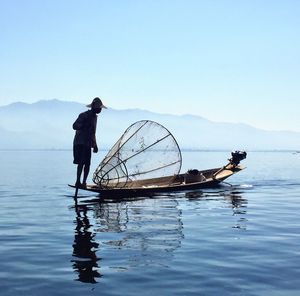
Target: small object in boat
{"x": 193, "y": 176}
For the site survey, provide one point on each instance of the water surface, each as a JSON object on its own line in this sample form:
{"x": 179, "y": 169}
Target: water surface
{"x": 234, "y": 240}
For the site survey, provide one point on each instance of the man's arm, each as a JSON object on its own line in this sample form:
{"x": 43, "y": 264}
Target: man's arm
{"x": 79, "y": 122}
{"x": 94, "y": 141}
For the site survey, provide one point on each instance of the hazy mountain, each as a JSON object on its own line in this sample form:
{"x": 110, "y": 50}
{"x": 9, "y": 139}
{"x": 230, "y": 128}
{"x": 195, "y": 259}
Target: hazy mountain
{"x": 48, "y": 124}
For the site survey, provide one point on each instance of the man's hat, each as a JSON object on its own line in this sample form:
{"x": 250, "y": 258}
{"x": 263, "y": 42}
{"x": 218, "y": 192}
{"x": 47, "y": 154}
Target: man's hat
{"x": 97, "y": 103}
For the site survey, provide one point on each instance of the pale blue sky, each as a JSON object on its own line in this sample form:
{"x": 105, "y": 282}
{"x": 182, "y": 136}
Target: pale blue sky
{"x": 234, "y": 61}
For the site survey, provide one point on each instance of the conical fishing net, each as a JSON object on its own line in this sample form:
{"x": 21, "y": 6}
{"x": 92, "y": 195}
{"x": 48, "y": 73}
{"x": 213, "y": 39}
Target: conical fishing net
{"x": 146, "y": 150}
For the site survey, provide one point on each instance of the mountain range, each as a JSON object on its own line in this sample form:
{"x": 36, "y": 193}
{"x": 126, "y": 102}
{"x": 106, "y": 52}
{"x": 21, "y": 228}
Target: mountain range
{"x": 47, "y": 124}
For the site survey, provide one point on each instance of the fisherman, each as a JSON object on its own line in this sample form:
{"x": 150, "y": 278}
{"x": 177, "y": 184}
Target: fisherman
{"x": 85, "y": 140}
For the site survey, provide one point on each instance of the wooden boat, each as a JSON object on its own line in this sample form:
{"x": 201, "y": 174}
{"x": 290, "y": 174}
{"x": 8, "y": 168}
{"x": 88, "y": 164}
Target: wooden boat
{"x": 203, "y": 179}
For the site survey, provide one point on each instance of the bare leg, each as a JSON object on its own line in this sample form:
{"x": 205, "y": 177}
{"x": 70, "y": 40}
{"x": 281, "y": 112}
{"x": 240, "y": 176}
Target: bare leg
{"x": 79, "y": 171}
{"x": 85, "y": 174}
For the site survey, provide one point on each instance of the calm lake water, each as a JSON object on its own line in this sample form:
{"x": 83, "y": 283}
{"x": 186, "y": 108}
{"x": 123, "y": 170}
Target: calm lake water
{"x": 239, "y": 240}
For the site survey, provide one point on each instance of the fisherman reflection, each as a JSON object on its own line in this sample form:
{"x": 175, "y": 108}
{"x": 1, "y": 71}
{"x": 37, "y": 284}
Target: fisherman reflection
{"x": 84, "y": 248}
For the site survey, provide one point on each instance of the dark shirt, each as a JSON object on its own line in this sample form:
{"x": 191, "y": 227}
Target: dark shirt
{"x": 85, "y": 126}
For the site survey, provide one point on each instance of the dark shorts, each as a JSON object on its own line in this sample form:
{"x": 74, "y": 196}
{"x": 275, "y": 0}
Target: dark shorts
{"x": 82, "y": 154}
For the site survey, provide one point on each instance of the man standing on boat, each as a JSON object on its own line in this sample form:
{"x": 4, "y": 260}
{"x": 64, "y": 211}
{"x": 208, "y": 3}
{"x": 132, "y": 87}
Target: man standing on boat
{"x": 85, "y": 140}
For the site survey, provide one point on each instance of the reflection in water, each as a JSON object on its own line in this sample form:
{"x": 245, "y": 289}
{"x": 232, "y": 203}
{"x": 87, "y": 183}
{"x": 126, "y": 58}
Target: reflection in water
{"x": 143, "y": 232}
{"x": 239, "y": 206}
{"x": 147, "y": 230}
{"x": 138, "y": 233}
{"x": 232, "y": 195}
{"x": 84, "y": 248}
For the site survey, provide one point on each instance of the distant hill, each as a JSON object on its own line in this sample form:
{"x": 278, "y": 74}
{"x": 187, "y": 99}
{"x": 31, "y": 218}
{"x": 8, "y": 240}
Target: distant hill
{"x": 48, "y": 125}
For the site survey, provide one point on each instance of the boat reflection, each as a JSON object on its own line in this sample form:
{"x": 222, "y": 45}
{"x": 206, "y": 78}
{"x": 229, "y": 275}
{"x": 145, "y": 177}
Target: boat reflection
{"x": 234, "y": 199}
{"x": 239, "y": 209}
{"x": 142, "y": 232}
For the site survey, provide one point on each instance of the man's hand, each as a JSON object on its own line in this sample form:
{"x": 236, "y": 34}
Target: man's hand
{"x": 95, "y": 149}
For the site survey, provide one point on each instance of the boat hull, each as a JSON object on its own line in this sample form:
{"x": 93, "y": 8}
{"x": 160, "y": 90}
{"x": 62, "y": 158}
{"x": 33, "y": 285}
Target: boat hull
{"x": 214, "y": 178}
